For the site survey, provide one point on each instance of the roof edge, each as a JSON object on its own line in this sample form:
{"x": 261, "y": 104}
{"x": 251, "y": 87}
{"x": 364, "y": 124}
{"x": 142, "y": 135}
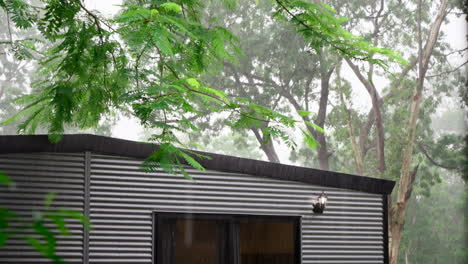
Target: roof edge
{"x": 127, "y": 148}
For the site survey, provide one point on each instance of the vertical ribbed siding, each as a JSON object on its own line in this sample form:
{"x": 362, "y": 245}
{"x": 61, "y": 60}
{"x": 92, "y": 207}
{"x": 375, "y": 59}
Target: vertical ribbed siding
{"x": 123, "y": 198}
{"x": 36, "y": 175}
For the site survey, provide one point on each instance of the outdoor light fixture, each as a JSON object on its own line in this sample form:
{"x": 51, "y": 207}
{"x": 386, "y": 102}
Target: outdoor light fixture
{"x": 320, "y": 203}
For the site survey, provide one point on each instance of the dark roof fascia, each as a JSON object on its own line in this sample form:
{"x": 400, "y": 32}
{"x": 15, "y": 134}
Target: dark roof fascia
{"x": 141, "y": 150}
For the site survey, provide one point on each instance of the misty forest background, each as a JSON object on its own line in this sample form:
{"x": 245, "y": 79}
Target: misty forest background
{"x": 275, "y": 72}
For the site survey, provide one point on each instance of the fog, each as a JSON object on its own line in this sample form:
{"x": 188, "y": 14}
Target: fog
{"x": 280, "y": 70}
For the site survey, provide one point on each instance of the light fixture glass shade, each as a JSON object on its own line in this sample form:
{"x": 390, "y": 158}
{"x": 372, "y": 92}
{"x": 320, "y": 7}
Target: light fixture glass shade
{"x": 322, "y": 199}
{"x": 320, "y": 203}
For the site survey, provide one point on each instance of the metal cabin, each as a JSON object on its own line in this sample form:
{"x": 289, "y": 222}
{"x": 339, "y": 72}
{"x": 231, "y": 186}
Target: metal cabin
{"x": 238, "y": 211}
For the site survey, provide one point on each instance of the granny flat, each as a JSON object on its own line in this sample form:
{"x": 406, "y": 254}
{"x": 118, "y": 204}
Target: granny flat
{"x": 238, "y": 211}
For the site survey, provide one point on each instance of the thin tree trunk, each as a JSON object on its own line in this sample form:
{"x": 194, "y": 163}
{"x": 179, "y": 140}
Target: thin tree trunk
{"x": 375, "y": 98}
{"x": 356, "y": 150}
{"x": 406, "y": 178}
{"x": 355, "y": 146}
{"x": 365, "y": 130}
{"x": 266, "y": 144}
{"x": 323, "y": 154}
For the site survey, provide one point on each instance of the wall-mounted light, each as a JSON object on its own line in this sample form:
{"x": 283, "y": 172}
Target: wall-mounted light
{"x": 320, "y": 203}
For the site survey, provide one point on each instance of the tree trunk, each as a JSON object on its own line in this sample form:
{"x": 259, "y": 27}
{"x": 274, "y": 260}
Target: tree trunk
{"x": 365, "y": 130}
{"x": 375, "y": 98}
{"x": 266, "y": 144}
{"x": 322, "y": 151}
{"x": 407, "y": 178}
{"x": 323, "y": 154}
{"x": 355, "y": 147}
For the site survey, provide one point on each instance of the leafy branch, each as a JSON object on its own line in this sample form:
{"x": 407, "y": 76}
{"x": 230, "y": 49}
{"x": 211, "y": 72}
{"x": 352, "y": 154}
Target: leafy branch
{"x": 150, "y": 61}
{"x": 318, "y": 24}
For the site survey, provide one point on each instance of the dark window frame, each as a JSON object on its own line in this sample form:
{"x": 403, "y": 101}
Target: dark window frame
{"x": 232, "y": 220}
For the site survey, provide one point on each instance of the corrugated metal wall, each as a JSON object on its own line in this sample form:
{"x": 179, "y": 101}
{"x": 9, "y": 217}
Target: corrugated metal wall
{"x": 122, "y": 199}
{"x": 36, "y": 175}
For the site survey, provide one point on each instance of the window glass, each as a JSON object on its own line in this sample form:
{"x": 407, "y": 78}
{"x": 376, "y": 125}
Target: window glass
{"x": 198, "y": 242}
{"x": 264, "y": 242}
{"x": 218, "y": 239}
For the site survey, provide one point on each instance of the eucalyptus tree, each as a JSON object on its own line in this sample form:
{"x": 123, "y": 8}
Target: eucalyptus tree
{"x": 407, "y": 88}
{"x": 435, "y": 231}
{"x": 378, "y": 142}
{"x": 270, "y": 51}
{"x": 279, "y": 69}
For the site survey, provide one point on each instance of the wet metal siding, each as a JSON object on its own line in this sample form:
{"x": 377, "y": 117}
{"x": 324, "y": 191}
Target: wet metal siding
{"x": 36, "y": 175}
{"x": 122, "y": 200}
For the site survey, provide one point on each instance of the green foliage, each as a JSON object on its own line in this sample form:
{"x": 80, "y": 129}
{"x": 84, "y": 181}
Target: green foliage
{"x": 5, "y": 180}
{"x": 303, "y": 113}
{"x": 317, "y": 128}
{"x": 318, "y": 24}
{"x": 147, "y": 61}
{"x": 169, "y": 6}
{"x": 5, "y": 216}
{"x": 46, "y": 244}
{"x": 309, "y": 140}
{"x": 44, "y": 236}
{"x": 20, "y": 12}
{"x": 170, "y": 158}
{"x": 435, "y": 230}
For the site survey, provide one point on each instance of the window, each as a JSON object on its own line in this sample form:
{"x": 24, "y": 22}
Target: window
{"x": 226, "y": 239}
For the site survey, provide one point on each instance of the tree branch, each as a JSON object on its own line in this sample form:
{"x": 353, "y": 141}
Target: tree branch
{"x": 9, "y": 26}
{"x": 409, "y": 191}
{"x": 376, "y": 102}
{"x": 433, "y": 161}
{"x": 447, "y": 72}
{"x": 96, "y": 20}
{"x": 301, "y": 22}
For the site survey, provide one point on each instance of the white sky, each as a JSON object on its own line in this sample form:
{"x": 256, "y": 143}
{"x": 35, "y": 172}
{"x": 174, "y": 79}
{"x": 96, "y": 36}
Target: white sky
{"x": 128, "y": 128}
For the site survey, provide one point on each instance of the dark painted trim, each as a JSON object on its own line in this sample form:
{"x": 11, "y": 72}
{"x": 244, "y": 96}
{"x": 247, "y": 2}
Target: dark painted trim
{"x": 298, "y": 240}
{"x": 154, "y": 245}
{"x": 233, "y": 249}
{"x": 86, "y": 204}
{"x": 385, "y": 229}
{"x": 126, "y": 148}
{"x": 232, "y": 224}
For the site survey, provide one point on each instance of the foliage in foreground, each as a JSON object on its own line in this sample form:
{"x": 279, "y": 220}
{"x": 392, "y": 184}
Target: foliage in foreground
{"x": 44, "y": 229}
{"x": 146, "y": 62}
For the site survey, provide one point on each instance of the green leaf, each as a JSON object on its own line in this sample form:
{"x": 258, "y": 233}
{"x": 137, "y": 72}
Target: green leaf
{"x": 49, "y": 199}
{"x": 170, "y": 6}
{"x": 317, "y": 127}
{"x": 193, "y": 82}
{"x": 162, "y": 41}
{"x": 154, "y": 12}
{"x": 191, "y": 161}
{"x": 135, "y": 15}
{"x": 26, "y": 111}
{"x": 5, "y": 218}
{"x": 54, "y": 138}
{"x": 74, "y": 215}
{"x": 61, "y": 225}
{"x": 5, "y": 180}
{"x": 309, "y": 139}
{"x": 303, "y": 113}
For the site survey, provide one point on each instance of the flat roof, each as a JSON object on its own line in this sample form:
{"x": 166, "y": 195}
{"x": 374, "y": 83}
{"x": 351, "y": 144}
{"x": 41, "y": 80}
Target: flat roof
{"x": 141, "y": 150}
